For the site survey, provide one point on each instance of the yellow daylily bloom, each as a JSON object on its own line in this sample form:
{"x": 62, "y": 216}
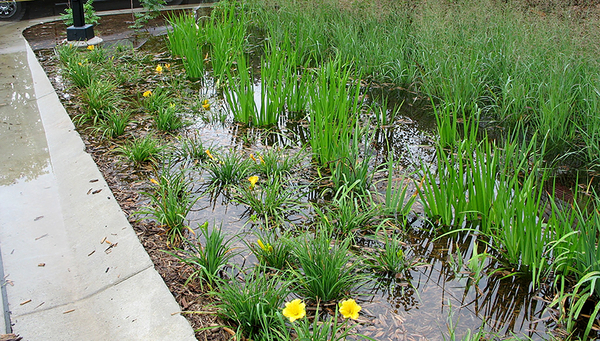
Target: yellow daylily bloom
{"x": 253, "y": 179}
{"x": 205, "y": 104}
{"x": 261, "y": 160}
{"x": 154, "y": 181}
{"x": 253, "y": 158}
{"x": 267, "y": 247}
{"x": 294, "y": 310}
{"x": 91, "y": 47}
{"x": 147, "y": 93}
{"x": 159, "y": 69}
{"x": 167, "y": 66}
{"x": 209, "y": 154}
{"x": 349, "y": 309}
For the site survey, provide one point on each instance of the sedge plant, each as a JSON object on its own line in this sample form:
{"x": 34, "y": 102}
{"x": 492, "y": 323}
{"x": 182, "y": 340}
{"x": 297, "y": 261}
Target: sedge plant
{"x": 208, "y": 261}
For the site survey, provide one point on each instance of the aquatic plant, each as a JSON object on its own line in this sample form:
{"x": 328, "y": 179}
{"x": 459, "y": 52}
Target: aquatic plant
{"x": 325, "y": 271}
{"x": 113, "y": 124}
{"x": 140, "y": 150}
{"x": 391, "y": 259}
{"x": 227, "y": 169}
{"x": 167, "y": 119}
{"x": 271, "y": 200}
{"x": 253, "y": 302}
{"x": 100, "y": 98}
{"x": 272, "y": 250}
{"x": 170, "y": 202}
{"x": 208, "y": 261}
{"x": 333, "y": 109}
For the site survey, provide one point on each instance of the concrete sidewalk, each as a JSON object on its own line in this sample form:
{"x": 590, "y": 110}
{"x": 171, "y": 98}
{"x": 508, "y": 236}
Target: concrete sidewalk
{"x": 73, "y": 267}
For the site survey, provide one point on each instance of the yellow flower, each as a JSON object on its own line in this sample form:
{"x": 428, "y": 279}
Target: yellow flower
{"x": 294, "y": 310}
{"x": 261, "y": 160}
{"x": 253, "y": 179}
{"x": 349, "y": 309}
{"x": 253, "y": 158}
{"x": 80, "y": 64}
{"x": 167, "y": 66}
{"x": 205, "y": 104}
{"x": 147, "y": 93}
{"x": 159, "y": 69}
{"x": 90, "y": 47}
{"x": 209, "y": 154}
{"x": 267, "y": 247}
{"x": 154, "y": 181}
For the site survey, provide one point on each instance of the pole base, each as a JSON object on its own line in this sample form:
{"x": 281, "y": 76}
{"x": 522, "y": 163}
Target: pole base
{"x": 85, "y": 32}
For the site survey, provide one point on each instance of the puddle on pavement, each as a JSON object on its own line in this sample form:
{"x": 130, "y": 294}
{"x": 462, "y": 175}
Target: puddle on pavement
{"x": 419, "y": 304}
{"x": 23, "y": 144}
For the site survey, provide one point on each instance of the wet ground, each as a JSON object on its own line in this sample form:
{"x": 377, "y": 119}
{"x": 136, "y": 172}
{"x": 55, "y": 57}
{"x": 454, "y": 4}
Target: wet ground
{"x": 417, "y": 305}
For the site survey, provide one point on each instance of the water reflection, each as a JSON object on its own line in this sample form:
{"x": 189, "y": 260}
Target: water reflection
{"x": 23, "y": 148}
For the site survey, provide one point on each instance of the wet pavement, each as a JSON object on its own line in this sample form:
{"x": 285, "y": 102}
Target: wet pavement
{"x": 73, "y": 267}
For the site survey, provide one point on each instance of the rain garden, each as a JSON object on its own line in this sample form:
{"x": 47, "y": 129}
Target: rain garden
{"x": 364, "y": 169}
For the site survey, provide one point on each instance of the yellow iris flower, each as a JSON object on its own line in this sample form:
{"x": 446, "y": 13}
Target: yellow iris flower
{"x": 349, "y": 309}
{"x": 147, "y": 93}
{"x": 294, "y": 310}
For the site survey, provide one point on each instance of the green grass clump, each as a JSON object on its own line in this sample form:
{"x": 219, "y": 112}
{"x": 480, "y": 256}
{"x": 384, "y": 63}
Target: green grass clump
{"x": 141, "y": 150}
{"x": 208, "y": 261}
{"x": 325, "y": 268}
{"x": 100, "y": 98}
{"x": 252, "y": 303}
{"x": 167, "y": 119}
{"x": 81, "y": 73}
{"x": 333, "y": 109}
{"x": 114, "y": 124}
{"x": 272, "y": 250}
{"x": 170, "y": 202}
{"x": 227, "y": 169}
{"x": 269, "y": 199}
{"x": 390, "y": 260}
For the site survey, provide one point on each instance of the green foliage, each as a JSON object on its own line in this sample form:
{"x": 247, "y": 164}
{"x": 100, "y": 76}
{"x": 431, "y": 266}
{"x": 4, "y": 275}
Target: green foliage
{"x": 270, "y": 199}
{"x": 227, "y": 169}
{"x": 333, "y": 110}
{"x": 240, "y": 93}
{"x": 272, "y": 250}
{"x": 185, "y": 39}
{"x": 252, "y": 303}
{"x": 100, "y": 98}
{"x": 113, "y": 124}
{"x": 326, "y": 272}
{"x": 396, "y": 202}
{"x": 191, "y": 148}
{"x": 275, "y": 163}
{"x": 167, "y": 119}
{"x": 225, "y": 31}
{"x": 390, "y": 260}
{"x": 170, "y": 202}
{"x": 89, "y": 14}
{"x": 157, "y": 99}
{"x": 81, "y": 73}
{"x": 347, "y": 213}
{"x": 208, "y": 261}
{"x": 141, "y": 150}
{"x": 152, "y": 9}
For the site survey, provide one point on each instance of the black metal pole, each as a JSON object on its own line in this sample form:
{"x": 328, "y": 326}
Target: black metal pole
{"x": 80, "y": 30}
{"x": 78, "y": 14}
